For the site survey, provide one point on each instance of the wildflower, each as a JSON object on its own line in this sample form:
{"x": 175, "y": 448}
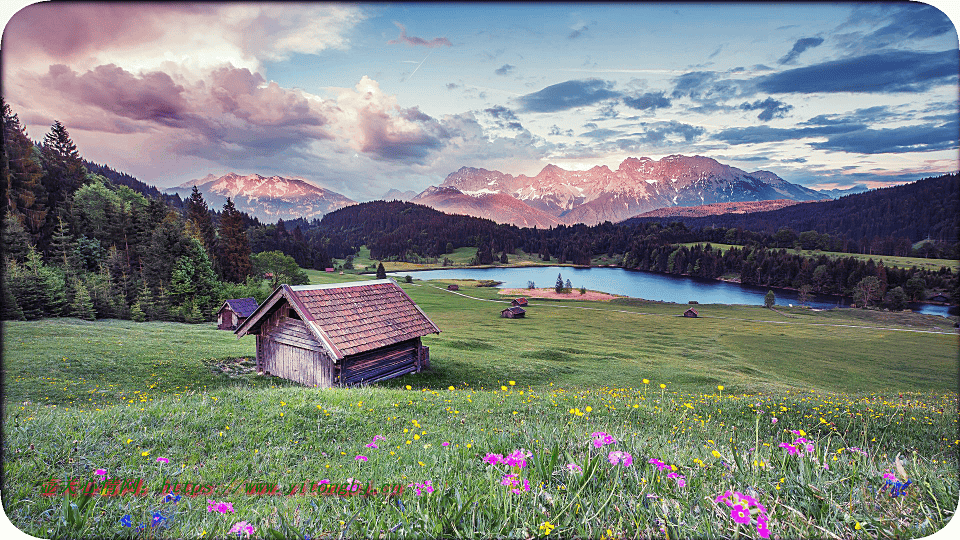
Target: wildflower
{"x": 170, "y": 497}
{"x": 145, "y": 453}
{"x": 361, "y": 458}
{"x": 889, "y": 476}
{"x": 573, "y": 467}
{"x": 445, "y": 444}
{"x": 517, "y": 459}
{"x": 163, "y": 460}
{"x": 125, "y": 521}
{"x": 646, "y": 381}
{"x": 378, "y": 438}
{"x": 809, "y": 448}
{"x": 662, "y": 386}
{"x": 740, "y": 514}
{"x": 601, "y": 439}
{"x": 408, "y": 387}
{"x": 791, "y": 449}
{"x": 242, "y": 528}
{"x": 546, "y": 527}
{"x": 716, "y": 454}
{"x": 324, "y": 481}
{"x": 773, "y": 420}
{"x": 493, "y": 459}
{"x": 618, "y": 457}
{"x": 503, "y": 388}
{"x": 221, "y": 507}
{"x": 450, "y": 388}
{"x": 158, "y": 518}
{"x": 511, "y": 383}
{"x": 100, "y": 472}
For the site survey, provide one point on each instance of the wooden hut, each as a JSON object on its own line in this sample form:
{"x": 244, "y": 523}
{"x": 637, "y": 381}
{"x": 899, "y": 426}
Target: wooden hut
{"x": 521, "y": 302}
{"x": 691, "y": 313}
{"x": 453, "y": 287}
{"x": 234, "y": 311}
{"x": 341, "y": 334}
{"x": 514, "y": 312}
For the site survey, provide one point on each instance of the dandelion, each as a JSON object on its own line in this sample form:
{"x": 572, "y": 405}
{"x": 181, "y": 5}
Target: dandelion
{"x": 512, "y": 383}
{"x": 145, "y": 453}
{"x": 715, "y": 454}
{"x": 618, "y": 457}
{"x": 242, "y": 528}
{"x": 450, "y": 388}
{"x": 662, "y": 386}
{"x": 546, "y": 528}
{"x": 408, "y": 387}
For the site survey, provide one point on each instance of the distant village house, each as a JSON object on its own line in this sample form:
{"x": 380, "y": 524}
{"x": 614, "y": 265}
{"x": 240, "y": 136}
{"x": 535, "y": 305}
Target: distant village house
{"x": 514, "y": 312}
{"x": 342, "y": 334}
{"x": 234, "y": 311}
{"x": 521, "y": 302}
{"x": 691, "y": 313}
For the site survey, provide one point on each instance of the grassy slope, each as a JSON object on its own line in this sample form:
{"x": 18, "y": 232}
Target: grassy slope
{"x": 157, "y": 394}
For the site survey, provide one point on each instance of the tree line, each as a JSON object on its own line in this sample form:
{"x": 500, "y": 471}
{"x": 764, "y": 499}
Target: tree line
{"x": 78, "y": 244}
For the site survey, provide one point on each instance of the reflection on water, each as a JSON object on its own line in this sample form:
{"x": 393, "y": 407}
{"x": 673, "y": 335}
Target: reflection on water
{"x": 648, "y": 285}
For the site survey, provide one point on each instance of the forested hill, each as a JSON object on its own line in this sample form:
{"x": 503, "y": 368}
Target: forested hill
{"x": 926, "y": 208}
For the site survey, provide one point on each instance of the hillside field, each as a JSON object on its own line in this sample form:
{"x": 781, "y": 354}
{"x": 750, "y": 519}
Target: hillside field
{"x": 805, "y": 413}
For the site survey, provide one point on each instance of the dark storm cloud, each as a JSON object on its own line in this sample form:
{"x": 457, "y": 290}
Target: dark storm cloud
{"x": 648, "y": 101}
{"x": 798, "y": 47}
{"x": 885, "y": 72}
{"x": 769, "y": 108}
{"x": 568, "y": 95}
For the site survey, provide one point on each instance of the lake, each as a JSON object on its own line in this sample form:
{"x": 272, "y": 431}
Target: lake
{"x": 646, "y": 285}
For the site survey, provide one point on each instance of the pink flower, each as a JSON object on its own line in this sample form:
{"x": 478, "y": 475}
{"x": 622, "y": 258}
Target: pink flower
{"x": 445, "y": 444}
{"x": 242, "y": 528}
{"x": 361, "y": 458}
{"x": 740, "y": 514}
{"x": 800, "y": 440}
{"x": 618, "y": 457}
{"x": 100, "y": 472}
{"x": 773, "y": 420}
{"x": 526, "y": 487}
{"x": 682, "y": 482}
{"x": 372, "y": 445}
{"x": 573, "y": 467}
{"x": 163, "y": 460}
{"x": 493, "y": 459}
{"x": 889, "y": 476}
{"x": 508, "y": 479}
{"x": 221, "y": 507}
{"x": 324, "y": 481}
{"x": 378, "y": 438}
{"x": 810, "y": 448}
{"x": 725, "y": 497}
{"x": 601, "y": 439}
{"x": 791, "y": 449}
{"x": 422, "y": 489}
{"x": 518, "y": 458}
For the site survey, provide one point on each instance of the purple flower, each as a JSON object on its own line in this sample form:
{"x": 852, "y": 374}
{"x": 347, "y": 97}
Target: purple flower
{"x": 324, "y": 481}
{"x": 422, "y": 489}
{"x": 493, "y": 459}
{"x": 125, "y": 521}
{"x": 445, "y": 444}
{"x": 162, "y": 460}
{"x": 573, "y": 467}
{"x": 100, "y": 472}
{"x": 518, "y": 458}
{"x": 526, "y": 487}
{"x": 361, "y": 458}
{"x": 810, "y": 448}
{"x": 791, "y": 449}
{"x": 601, "y": 439}
{"x": 725, "y": 497}
{"x": 618, "y": 457}
{"x": 508, "y": 479}
{"x": 221, "y": 507}
{"x": 740, "y": 514}
{"x": 773, "y": 420}
{"x": 372, "y": 445}
{"x": 800, "y": 440}
{"x": 889, "y": 476}
{"x": 378, "y": 438}
{"x": 171, "y": 497}
{"x": 242, "y": 528}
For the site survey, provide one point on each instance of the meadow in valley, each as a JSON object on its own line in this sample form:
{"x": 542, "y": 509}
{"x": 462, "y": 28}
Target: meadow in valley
{"x": 585, "y": 419}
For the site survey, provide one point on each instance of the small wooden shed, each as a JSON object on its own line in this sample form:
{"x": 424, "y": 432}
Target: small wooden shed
{"x": 691, "y": 313}
{"x": 522, "y": 302}
{"x": 453, "y": 287}
{"x": 234, "y": 311}
{"x": 341, "y": 334}
{"x": 514, "y": 312}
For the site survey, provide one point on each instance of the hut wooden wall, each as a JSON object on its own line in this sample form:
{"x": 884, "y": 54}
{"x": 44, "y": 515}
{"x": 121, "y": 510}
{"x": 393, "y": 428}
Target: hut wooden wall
{"x": 287, "y": 349}
{"x": 384, "y": 363}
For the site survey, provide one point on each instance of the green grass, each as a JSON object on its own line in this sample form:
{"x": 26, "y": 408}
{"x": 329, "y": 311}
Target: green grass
{"x": 116, "y": 395}
{"x": 889, "y": 261}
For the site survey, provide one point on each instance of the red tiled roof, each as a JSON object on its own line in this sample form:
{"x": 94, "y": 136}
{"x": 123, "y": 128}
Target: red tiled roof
{"x": 361, "y": 316}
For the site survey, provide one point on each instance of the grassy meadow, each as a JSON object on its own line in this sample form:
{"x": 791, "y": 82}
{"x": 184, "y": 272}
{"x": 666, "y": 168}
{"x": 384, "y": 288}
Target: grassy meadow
{"x": 585, "y": 419}
{"x": 888, "y": 260}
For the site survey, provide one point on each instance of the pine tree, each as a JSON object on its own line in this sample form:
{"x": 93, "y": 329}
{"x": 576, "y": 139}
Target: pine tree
{"x": 234, "y": 245}
{"x": 559, "y": 286}
{"x": 199, "y": 214}
{"x": 82, "y": 306}
{"x": 381, "y": 272}
{"x": 770, "y": 299}
{"x": 21, "y": 182}
{"x": 63, "y": 173}
{"x": 15, "y": 238}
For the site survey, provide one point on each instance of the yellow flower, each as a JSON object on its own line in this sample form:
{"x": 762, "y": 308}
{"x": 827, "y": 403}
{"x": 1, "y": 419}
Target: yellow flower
{"x": 450, "y": 388}
{"x": 503, "y": 388}
{"x": 145, "y": 453}
{"x": 129, "y": 441}
{"x": 687, "y": 405}
{"x": 422, "y": 464}
{"x": 546, "y": 527}
{"x": 662, "y": 385}
{"x": 720, "y": 387}
{"x": 512, "y": 383}
{"x": 408, "y": 387}
{"x": 716, "y": 454}
{"x": 646, "y": 381}
{"x": 589, "y": 408}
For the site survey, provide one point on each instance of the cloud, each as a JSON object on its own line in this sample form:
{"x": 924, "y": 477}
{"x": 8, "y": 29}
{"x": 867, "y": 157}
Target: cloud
{"x": 769, "y": 108}
{"x": 602, "y": 133}
{"x": 415, "y": 41}
{"x": 798, "y": 47}
{"x": 659, "y": 133}
{"x": 504, "y": 117}
{"x": 649, "y": 101}
{"x": 568, "y": 95}
{"x": 453, "y": 86}
{"x": 555, "y": 130}
{"x": 578, "y": 31}
{"x": 764, "y": 134}
{"x": 505, "y": 69}
{"x": 903, "y": 26}
{"x": 925, "y": 138}
{"x": 885, "y": 72}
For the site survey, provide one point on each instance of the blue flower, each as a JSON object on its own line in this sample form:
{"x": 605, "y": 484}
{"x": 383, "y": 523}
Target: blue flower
{"x": 125, "y": 521}
{"x": 157, "y": 519}
{"x": 170, "y": 497}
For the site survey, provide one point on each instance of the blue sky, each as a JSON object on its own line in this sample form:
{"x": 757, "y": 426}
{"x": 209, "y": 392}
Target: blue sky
{"x": 362, "y": 98}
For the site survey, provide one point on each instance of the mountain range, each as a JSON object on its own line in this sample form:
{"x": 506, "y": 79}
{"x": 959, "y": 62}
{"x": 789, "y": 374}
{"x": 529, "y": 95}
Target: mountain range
{"x": 266, "y": 198}
{"x": 601, "y": 194}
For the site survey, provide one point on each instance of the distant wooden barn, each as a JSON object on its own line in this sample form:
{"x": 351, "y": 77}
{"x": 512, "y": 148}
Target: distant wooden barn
{"x": 234, "y": 311}
{"x": 521, "y": 302}
{"x": 939, "y": 298}
{"x": 514, "y": 312}
{"x": 691, "y": 313}
{"x": 453, "y": 287}
{"x": 343, "y": 334}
